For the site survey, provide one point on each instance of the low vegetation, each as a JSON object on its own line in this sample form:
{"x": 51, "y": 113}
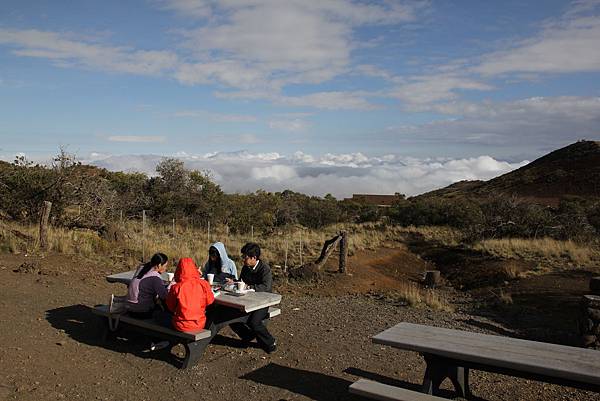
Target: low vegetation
{"x": 565, "y": 252}
{"x": 98, "y": 214}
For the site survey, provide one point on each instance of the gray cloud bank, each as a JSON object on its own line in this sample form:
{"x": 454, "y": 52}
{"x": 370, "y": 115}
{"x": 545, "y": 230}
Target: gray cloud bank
{"x": 338, "y": 174}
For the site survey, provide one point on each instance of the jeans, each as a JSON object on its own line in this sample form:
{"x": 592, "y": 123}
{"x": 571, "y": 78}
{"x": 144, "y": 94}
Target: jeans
{"x": 255, "y": 328}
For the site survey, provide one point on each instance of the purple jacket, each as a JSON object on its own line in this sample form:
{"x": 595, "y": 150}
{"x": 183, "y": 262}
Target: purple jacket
{"x": 142, "y": 292}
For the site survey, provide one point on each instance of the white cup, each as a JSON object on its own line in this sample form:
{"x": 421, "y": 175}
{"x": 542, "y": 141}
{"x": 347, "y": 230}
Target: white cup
{"x": 211, "y": 278}
{"x": 170, "y": 276}
{"x": 241, "y": 286}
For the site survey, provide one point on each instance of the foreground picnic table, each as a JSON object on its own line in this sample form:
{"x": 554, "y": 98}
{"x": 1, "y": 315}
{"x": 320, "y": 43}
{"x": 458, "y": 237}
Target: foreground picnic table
{"x": 229, "y": 308}
{"x": 451, "y": 353}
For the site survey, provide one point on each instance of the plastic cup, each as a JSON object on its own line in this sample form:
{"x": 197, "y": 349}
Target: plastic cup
{"x": 170, "y": 276}
{"x": 241, "y": 286}
{"x": 210, "y": 278}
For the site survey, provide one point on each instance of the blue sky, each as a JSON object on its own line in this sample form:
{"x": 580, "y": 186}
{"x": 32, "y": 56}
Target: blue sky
{"x": 301, "y": 84}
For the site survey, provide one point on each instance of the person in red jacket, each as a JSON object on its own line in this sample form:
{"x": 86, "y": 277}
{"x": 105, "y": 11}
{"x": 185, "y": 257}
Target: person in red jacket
{"x": 188, "y": 297}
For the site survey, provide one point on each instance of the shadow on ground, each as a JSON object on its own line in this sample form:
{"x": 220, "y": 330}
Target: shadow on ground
{"x": 322, "y": 387}
{"x": 79, "y": 323}
{"x": 316, "y": 386}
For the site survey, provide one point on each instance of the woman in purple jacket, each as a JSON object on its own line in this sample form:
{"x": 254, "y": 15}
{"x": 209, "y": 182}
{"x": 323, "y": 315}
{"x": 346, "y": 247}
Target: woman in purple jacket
{"x": 146, "y": 286}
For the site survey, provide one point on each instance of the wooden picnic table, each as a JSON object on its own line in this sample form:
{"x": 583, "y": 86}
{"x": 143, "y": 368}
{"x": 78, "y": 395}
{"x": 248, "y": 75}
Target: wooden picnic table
{"x": 247, "y": 303}
{"x": 451, "y": 353}
{"x": 231, "y": 308}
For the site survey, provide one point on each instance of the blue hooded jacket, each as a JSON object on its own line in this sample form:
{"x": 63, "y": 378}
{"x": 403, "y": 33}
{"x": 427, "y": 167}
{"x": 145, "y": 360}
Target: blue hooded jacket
{"x": 228, "y": 269}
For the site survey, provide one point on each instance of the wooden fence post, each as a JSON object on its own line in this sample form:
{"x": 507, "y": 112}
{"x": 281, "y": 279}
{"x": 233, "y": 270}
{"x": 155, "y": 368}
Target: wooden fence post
{"x": 143, "y": 235}
{"x": 44, "y": 215}
{"x": 343, "y": 251}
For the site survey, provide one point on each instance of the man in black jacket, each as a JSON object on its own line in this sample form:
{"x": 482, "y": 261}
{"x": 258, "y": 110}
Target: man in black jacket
{"x": 257, "y": 275}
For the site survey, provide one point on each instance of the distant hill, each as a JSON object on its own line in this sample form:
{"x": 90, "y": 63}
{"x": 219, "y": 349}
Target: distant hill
{"x": 570, "y": 171}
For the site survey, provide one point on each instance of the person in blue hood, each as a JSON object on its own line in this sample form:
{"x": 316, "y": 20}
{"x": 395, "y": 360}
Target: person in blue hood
{"x": 219, "y": 264}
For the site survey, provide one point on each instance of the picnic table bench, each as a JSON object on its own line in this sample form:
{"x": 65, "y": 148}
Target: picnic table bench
{"x": 385, "y": 392}
{"x": 451, "y": 353}
{"x": 237, "y": 307}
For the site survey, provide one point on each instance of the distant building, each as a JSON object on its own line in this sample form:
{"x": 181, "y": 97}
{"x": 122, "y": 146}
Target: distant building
{"x": 377, "y": 200}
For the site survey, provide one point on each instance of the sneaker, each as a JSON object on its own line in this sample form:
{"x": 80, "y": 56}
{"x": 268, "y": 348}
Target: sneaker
{"x": 159, "y": 345}
{"x": 272, "y": 348}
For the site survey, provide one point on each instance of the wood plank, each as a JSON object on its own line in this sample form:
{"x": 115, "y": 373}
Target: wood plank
{"x": 384, "y": 392}
{"x": 149, "y": 324}
{"x": 250, "y": 302}
{"x": 553, "y": 360}
{"x": 125, "y": 277}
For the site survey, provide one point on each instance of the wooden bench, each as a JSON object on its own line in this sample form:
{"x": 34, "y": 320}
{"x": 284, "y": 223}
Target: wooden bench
{"x": 451, "y": 353}
{"x": 385, "y": 392}
{"x": 193, "y": 342}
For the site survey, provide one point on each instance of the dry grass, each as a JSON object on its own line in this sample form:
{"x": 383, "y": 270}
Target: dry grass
{"x": 415, "y": 296}
{"x": 556, "y": 252}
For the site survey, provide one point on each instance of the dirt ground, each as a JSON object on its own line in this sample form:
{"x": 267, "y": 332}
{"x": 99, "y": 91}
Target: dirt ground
{"x": 50, "y": 348}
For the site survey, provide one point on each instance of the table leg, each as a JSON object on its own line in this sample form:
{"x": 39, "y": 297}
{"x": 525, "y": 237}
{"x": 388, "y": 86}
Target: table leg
{"x": 439, "y": 369}
{"x": 193, "y": 352}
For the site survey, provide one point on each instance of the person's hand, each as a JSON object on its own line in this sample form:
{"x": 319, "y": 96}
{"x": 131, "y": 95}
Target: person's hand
{"x": 229, "y": 281}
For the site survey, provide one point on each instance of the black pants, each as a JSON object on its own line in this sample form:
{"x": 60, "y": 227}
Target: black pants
{"x": 255, "y": 328}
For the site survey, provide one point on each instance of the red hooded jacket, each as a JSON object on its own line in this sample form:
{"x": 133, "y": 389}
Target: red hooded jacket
{"x": 189, "y": 297}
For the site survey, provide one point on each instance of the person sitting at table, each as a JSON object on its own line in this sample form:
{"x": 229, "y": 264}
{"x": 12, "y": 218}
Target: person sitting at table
{"x": 146, "y": 287}
{"x": 188, "y": 298}
{"x": 219, "y": 264}
{"x": 256, "y": 273}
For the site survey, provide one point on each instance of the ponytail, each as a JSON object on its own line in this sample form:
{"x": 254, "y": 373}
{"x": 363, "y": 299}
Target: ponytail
{"x": 157, "y": 259}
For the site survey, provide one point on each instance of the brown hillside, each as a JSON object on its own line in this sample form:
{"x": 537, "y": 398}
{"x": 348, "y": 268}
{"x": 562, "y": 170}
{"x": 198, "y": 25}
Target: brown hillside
{"x": 570, "y": 171}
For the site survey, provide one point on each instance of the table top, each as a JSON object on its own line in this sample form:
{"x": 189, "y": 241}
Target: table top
{"x": 561, "y": 361}
{"x": 248, "y": 303}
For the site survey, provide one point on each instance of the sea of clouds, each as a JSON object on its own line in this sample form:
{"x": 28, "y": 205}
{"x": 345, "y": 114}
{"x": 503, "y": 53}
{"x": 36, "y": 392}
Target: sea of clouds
{"x": 338, "y": 174}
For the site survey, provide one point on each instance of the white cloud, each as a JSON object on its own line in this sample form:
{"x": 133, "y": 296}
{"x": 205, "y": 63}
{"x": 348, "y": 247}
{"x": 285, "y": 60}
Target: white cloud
{"x": 337, "y": 100}
{"x": 526, "y": 123}
{"x": 423, "y": 91}
{"x": 248, "y": 139}
{"x": 136, "y": 138}
{"x": 566, "y": 46}
{"x": 67, "y": 52}
{"x": 339, "y": 174}
{"x": 268, "y": 44}
{"x": 253, "y": 48}
{"x": 188, "y": 8}
{"x": 215, "y": 117}
{"x": 290, "y": 125}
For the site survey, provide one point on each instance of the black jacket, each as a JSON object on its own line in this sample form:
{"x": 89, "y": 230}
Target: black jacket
{"x": 260, "y": 278}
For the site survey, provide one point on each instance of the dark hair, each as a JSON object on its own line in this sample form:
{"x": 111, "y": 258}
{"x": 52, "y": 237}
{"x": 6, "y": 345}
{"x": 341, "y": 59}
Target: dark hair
{"x": 251, "y": 249}
{"x": 157, "y": 259}
{"x": 212, "y": 251}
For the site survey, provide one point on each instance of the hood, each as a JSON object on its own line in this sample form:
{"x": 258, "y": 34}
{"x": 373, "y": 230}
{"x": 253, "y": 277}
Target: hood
{"x": 222, "y": 252}
{"x": 186, "y": 270}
